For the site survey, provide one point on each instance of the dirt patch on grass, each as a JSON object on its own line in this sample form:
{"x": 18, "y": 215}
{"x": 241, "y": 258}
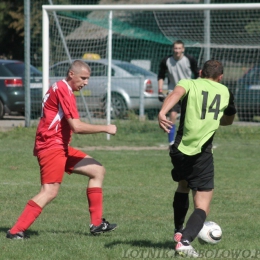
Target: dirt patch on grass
{"x": 121, "y": 148}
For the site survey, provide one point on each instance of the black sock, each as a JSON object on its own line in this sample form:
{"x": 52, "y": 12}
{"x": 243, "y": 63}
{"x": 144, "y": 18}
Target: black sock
{"x": 194, "y": 225}
{"x": 180, "y": 208}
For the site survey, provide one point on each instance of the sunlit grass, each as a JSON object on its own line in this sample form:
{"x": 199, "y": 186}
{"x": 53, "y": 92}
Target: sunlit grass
{"x": 138, "y": 192}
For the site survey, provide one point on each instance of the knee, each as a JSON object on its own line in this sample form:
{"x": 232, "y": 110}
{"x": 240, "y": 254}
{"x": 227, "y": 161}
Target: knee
{"x": 51, "y": 195}
{"x": 183, "y": 187}
{"x": 98, "y": 172}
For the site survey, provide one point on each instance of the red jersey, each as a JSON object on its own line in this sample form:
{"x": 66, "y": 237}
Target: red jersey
{"x": 59, "y": 104}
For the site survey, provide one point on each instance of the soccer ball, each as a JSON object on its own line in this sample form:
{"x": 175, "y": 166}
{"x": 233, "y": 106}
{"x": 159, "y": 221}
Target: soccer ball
{"x": 210, "y": 233}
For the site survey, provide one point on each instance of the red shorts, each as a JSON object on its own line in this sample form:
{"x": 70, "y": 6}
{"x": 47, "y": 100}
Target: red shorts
{"x": 53, "y": 163}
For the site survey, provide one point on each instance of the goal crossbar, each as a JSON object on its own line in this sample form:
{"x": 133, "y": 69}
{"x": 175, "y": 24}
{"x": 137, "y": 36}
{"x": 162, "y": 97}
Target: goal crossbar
{"x": 151, "y": 7}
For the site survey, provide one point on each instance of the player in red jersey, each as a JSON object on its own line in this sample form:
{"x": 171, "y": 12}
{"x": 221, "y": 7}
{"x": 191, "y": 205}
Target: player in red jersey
{"x": 58, "y": 121}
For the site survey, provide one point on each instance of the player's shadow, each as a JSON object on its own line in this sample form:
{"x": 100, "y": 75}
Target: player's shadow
{"x": 28, "y": 232}
{"x": 81, "y": 233}
{"x": 143, "y": 243}
{"x": 4, "y": 229}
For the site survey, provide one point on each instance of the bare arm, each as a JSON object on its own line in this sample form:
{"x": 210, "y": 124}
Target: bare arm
{"x": 79, "y": 127}
{"x": 171, "y": 100}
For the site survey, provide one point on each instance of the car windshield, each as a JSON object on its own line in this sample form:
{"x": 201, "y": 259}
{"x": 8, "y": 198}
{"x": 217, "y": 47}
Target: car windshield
{"x": 17, "y": 69}
{"x": 134, "y": 70}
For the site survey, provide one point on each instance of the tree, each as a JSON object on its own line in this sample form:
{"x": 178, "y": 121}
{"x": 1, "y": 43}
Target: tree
{"x": 11, "y": 29}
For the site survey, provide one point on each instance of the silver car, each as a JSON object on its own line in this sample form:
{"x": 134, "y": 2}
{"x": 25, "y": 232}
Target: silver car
{"x": 128, "y": 83}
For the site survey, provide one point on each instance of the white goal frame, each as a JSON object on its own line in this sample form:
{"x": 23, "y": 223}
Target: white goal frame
{"x": 111, "y": 8}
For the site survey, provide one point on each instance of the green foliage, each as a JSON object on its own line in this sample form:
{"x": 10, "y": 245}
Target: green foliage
{"x": 12, "y": 26}
{"x": 11, "y": 42}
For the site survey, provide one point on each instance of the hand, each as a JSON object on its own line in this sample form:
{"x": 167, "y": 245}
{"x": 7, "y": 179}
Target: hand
{"x": 165, "y": 124}
{"x": 111, "y": 129}
{"x": 161, "y": 96}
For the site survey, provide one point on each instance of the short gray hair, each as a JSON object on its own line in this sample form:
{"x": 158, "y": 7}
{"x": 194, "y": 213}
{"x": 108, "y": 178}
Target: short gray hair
{"x": 76, "y": 65}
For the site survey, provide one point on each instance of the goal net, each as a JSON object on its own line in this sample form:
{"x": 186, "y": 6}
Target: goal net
{"x": 142, "y": 35}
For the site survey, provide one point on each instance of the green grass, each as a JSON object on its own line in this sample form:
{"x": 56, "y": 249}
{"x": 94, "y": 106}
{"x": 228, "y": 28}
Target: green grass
{"x": 138, "y": 193}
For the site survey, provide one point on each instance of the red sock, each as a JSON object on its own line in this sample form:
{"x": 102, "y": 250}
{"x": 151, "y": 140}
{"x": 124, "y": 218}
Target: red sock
{"x": 28, "y": 216}
{"x": 95, "y": 202}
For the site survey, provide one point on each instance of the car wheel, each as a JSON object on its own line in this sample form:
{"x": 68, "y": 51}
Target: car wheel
{"x": 246, "y": 116}
{"x": 118, "y": 106}
{"x": 2, "y": 110}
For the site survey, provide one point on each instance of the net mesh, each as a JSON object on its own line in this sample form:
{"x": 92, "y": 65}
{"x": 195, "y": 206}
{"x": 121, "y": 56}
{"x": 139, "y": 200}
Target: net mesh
{"x": 145, "y": 37}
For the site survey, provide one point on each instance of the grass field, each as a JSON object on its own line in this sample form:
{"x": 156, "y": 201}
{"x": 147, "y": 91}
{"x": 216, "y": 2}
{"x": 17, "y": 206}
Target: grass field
{"x": 138, "y": 193}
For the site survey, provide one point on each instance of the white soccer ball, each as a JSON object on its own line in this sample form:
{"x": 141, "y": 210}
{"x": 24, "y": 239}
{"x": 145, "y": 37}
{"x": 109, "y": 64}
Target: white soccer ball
{"x": 210, "y": 233}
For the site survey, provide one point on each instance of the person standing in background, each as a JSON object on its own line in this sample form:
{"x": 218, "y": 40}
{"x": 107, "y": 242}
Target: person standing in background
{"x": 176, "y": 67}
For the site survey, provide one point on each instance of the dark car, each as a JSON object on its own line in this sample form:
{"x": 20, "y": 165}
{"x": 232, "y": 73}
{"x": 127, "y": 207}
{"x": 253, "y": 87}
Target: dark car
{"x": 12, "y": 92}
{"x": 248, "y": 94}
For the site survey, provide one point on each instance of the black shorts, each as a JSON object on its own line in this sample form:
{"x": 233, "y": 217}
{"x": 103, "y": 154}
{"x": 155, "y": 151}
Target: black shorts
{"x": 197, "y": 170}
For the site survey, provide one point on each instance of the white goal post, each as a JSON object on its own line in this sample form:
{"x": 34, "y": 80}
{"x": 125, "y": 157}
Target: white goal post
{"x": 206, "y": 43}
